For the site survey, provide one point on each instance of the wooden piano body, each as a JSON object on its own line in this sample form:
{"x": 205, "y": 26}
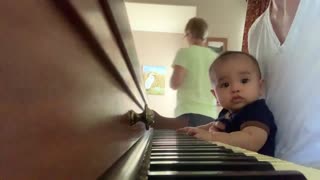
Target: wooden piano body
{"x": 69, "y": 75}
{"x": 68, "y": 79}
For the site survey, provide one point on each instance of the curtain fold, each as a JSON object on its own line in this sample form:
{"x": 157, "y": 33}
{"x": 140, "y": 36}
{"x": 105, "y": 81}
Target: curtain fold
{"x": 254, "y": 9}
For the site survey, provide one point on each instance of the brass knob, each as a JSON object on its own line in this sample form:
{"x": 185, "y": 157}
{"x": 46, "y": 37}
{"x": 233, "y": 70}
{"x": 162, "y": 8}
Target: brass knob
{"x": 147, "y": 117}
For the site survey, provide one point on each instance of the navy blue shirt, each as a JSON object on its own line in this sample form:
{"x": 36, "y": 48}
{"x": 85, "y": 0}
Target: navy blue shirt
{"x": 256, "y": 114}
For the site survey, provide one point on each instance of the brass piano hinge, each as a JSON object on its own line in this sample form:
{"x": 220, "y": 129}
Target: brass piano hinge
{"x": 147, "y": 117}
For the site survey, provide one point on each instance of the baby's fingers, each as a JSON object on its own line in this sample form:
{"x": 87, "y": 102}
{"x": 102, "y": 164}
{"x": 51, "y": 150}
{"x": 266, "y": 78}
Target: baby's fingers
{"x": 220, "y": 126}
{"x": 186, "y": 130}
{"x": 192, "y": 132}
{"x": 183, "y": 130}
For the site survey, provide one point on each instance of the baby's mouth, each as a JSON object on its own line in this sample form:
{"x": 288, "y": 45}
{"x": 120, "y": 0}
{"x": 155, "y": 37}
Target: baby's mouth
{"x": 237, "y": 99}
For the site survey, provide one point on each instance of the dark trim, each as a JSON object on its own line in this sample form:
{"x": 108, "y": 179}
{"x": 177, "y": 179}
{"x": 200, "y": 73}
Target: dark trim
{"x": 75, "y": 19}
{"x": 117, "y": 17}
{"x": 128, "y": 167}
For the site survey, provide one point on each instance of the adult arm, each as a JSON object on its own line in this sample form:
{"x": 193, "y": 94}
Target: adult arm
{"x": 178, "y": 76}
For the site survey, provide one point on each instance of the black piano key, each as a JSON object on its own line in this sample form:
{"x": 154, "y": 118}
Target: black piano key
{"x": 198, "y": 154}
{"x": 185, "y": 146}
{"x": 158, "y": 150}
{"x": 161, "y": 132}
{"x": 179, "y": 141}
{"x": 225, "y": 175}
{"x": 203, "y": 158}
{"x": 209, "y": 166}
{"x": 173, "y": 137}
{"x": 170, "y": 143}
{"x": 183, "y": 143}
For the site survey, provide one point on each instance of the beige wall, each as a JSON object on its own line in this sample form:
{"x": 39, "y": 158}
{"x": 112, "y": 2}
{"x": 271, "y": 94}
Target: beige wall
{"x": 225, "y": 17}
{"x": 159, "y": 17}
{"x": 159, "y": 49}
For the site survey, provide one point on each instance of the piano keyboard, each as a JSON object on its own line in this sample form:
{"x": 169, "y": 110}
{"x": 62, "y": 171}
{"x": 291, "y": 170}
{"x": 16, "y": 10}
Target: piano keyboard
{"x": 176, "y": 156}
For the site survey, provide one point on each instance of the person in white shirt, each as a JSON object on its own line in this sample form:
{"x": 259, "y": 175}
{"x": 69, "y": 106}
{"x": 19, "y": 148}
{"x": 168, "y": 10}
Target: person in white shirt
{"x": 286, "y": 41}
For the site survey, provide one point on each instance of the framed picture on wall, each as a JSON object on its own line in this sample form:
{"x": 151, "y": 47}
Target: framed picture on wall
{"x": 154, "y": 79}
{"x": 217, "y": 44}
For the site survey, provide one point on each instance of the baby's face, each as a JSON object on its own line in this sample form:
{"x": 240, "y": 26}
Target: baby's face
{"x": 236, "y": 83}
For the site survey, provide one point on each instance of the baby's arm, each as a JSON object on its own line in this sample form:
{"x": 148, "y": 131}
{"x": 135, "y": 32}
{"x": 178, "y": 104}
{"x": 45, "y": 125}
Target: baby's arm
{"x": 193, "y": 130}
{"x": 215, "y": 126}
{"x": 206, "y": 126}
{"x": 250, "y": 138}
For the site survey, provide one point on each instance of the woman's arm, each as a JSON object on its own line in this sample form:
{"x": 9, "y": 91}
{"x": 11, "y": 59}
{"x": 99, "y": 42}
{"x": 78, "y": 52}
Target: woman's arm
{"x": 178, "y": 76}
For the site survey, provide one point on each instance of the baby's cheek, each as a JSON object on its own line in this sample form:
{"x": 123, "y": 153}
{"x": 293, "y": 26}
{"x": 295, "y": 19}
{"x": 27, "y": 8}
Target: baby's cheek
{"x": 222, "y": 102}
{"x": 223, "y": 97}
{"x": 219, "y": 99}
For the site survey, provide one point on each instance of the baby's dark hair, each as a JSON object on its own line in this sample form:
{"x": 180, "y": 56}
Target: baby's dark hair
{"x": 228, "y": 54}
{"x": 197, "y": 27}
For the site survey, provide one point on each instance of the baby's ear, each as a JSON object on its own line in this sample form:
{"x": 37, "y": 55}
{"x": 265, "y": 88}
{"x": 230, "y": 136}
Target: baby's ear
{"x": 213, "y": 93}
{"x": 262, "y": 87}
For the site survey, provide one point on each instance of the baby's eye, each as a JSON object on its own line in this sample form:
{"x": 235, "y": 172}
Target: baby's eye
{"x": 244, "y": 81}
{"x": 224, "y": 85}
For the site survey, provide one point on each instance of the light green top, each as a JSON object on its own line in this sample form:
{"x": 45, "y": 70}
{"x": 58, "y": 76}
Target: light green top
{"x": 194, "y": 95}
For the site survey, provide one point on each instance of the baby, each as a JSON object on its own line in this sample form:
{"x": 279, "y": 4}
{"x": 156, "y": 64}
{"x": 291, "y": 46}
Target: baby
{"x": 245, "y": 120}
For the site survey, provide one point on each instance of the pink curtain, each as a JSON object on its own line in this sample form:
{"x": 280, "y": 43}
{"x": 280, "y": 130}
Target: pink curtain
{"x": 254, "y": 9}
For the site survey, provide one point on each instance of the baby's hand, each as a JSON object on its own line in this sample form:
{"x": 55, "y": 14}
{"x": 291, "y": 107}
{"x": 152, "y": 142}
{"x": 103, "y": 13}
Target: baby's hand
{"x": 188, "y": 130}
{"x": 217, "y": 127}
{"x": 203, "y": 134}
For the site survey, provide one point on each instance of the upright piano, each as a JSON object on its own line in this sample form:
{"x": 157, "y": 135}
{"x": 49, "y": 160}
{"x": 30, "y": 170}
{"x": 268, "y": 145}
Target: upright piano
{"x": 69, "y": 76}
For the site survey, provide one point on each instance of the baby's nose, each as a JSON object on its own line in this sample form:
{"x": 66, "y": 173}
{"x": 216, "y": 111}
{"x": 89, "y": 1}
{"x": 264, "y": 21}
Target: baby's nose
{"x": 235, "y": 88}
